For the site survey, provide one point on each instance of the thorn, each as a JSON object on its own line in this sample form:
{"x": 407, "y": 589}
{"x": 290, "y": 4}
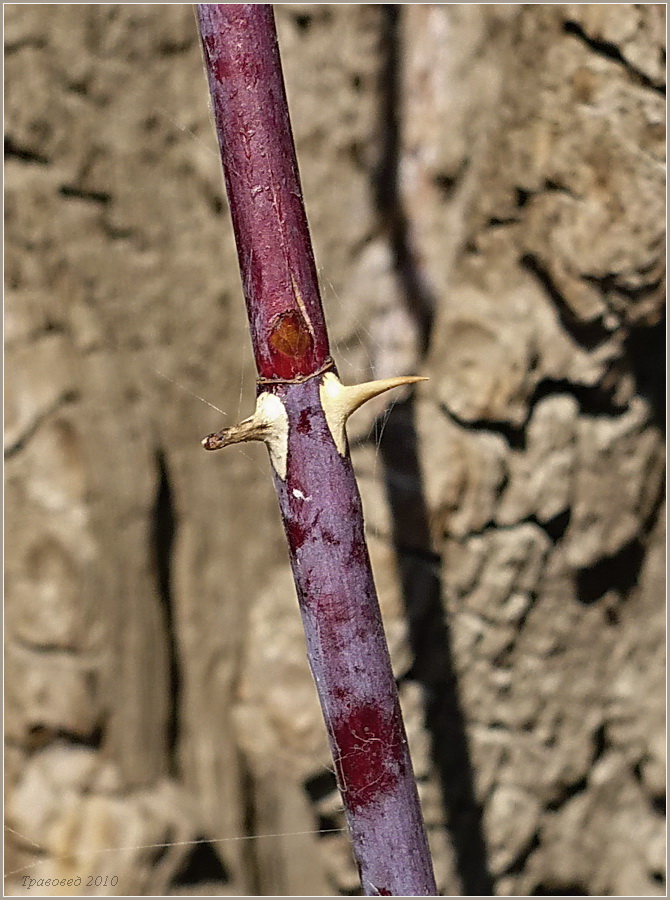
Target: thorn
{"x": 269, "y": 423}
{"x": 349, "y": 397}
{"x": 340, "y": 400}
{"x": 248, "y": 430}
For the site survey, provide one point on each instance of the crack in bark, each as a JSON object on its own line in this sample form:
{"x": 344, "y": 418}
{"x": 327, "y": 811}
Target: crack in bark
{"x": 560, "y": 889}
{"x": 28, "y": 433}
{"x": 517, "y": 866}
{"x": 593, "y": 401}
{"x": 36, "y": 43}
{"x": 202, "y": 866}
{"x": 618, "y": 572}
{"x": 24, "y": 154}
{"x": 580, "y": 785}
{"x": 589, "y": 334}
{"x": 610, "y": 283}
{"x": 164, "y": 526}
{"x": 657, "y": 800}
{"x": 524, "y": 195}
{"x": 173, "y": 47}
{"x": 645, "y": 350}
{"x": 553, "y": 528}
{"x": 611, "y": 51}
{"x": 79, "y": 193}
{"x": 46, "y": 734}
{"x": 250, "y": 825}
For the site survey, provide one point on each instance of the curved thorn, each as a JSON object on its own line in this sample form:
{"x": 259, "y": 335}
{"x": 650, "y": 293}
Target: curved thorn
{"x": 340, "y": 400}
{"x": 269, "y": 424}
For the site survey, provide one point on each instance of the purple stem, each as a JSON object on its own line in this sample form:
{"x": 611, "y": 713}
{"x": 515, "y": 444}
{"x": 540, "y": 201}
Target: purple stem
{"x": 313, "y": 475}
{"x": 261, "y": 172}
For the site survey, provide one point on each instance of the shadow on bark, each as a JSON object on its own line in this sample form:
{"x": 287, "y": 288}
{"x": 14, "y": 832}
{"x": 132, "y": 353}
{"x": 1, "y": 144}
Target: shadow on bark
{"x": 163, "y": 531}
{"x": 430, "y": 639}
{"x": 418, "y": 295}
{"x": 418, "y": 566}
{"x": 202, "y": 868}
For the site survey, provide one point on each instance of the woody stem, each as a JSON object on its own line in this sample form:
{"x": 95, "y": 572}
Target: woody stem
{"x": 300, "y": 414}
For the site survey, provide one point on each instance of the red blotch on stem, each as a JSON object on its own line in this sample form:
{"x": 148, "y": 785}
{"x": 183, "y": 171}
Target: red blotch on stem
{"x": 304, "y": 425}
{"x": 297, "y": 534}
{"x": 369, "y": 753}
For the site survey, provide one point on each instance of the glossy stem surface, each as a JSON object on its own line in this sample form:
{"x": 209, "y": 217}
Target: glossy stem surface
{"x": 279, "y": 277}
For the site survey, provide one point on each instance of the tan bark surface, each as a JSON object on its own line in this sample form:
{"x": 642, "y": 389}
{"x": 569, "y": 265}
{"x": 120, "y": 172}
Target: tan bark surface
{"x": 485, "y": 187}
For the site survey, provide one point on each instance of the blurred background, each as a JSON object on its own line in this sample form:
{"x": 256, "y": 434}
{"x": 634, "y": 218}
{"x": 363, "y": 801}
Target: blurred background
{"x": 485, "y": 187}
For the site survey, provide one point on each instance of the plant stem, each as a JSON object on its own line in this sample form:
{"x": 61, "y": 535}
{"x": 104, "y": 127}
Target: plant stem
{"x": 300, "y": 414}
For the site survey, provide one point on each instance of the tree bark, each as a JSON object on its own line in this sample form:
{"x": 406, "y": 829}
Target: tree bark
{"x": 485, "y": 182}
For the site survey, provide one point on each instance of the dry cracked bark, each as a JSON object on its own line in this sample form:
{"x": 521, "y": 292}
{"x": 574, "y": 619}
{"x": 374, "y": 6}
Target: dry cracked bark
{"x": 521, "y": 210}
{"x": 546, "y": 493}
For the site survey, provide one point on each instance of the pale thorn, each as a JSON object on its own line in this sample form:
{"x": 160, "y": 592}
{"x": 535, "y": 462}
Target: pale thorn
{"x": 250, "y": 429}
{"x": 340, "y": 400}
{"x": 269, "y": 423}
